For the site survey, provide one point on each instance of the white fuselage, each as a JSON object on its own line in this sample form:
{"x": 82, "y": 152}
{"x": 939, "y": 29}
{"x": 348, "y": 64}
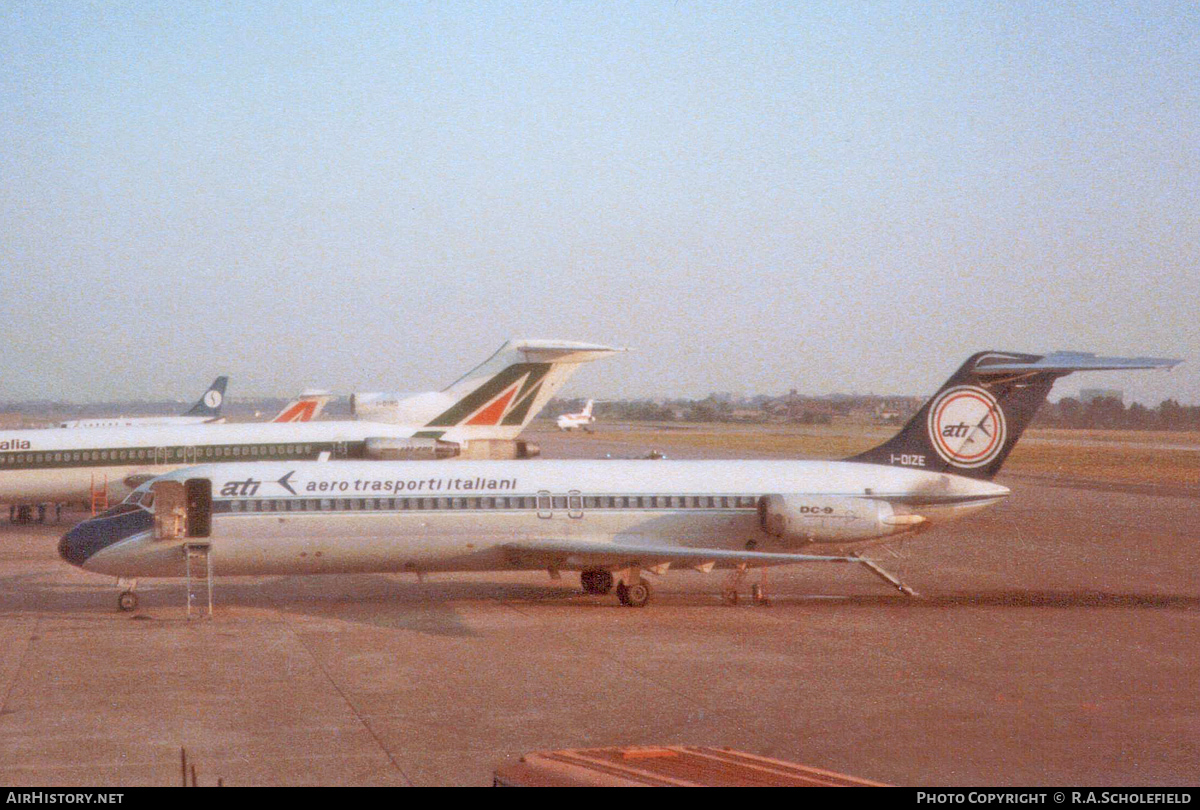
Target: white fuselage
{"x": 140, "y": 421}
{"x": 348, "y": 517}
{"x": 572, "y": 421}
{"x": 52, "y": 464}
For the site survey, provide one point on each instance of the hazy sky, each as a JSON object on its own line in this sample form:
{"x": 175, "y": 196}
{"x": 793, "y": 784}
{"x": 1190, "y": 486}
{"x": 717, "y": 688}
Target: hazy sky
{"x": 755, "y": 197}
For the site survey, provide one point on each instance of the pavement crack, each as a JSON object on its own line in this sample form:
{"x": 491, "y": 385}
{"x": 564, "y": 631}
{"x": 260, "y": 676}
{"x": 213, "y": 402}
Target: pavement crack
{"x": 345, "y": 698}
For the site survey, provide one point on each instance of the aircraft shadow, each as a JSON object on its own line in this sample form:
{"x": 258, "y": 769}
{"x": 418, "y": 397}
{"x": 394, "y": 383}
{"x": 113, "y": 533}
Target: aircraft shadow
{"x": 1004, "y": 599}
{"x": 368, "y": 599}
{"x": 429, "y": 607}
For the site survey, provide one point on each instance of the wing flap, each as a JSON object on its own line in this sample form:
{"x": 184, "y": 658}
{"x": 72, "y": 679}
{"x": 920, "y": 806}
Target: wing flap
{"x": 570, "y": 553}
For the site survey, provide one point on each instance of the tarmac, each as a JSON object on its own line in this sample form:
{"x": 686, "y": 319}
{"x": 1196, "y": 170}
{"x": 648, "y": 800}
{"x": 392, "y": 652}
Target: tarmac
{"x": 1055, "y": 643}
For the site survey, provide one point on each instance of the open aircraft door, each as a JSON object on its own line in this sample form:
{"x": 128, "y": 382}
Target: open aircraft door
{"x": 198, "y": 495}
{"x": 182, "y": 509}
{"x": 170, "y": 510}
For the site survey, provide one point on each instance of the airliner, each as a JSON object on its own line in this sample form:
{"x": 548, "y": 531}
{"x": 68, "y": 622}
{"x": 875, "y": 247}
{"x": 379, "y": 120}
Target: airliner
{"x": 479, "y": 415}
{"x": 612, "y": 521}
{"x": 304, "y": 408}
{"x": 206, "y": 410}
{"x": 581, "y": 420}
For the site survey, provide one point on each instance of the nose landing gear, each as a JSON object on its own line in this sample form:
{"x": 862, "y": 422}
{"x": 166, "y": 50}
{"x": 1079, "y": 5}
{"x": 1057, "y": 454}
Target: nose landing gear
{"x": 128, "y": 600}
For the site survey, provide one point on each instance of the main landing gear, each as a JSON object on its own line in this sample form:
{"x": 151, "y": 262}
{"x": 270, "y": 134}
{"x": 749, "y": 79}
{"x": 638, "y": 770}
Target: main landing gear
{"x": 635, "y": 595}
{"x": 596, "y": 581}
{"x": 599, "y": 581}
{"x": 24, "y": 513}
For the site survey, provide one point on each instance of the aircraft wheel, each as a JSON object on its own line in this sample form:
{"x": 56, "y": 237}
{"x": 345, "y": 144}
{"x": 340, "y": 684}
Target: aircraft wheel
{"x": 759, "y": 595}
{"x": 127, "y": 601}
{"x": 596, "y": 581}
{"x": 636, "y": 595}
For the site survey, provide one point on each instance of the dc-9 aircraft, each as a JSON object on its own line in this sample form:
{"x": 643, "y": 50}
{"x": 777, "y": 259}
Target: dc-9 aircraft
{"x": 481, "y": 415}
{"x": 610, "y": 520}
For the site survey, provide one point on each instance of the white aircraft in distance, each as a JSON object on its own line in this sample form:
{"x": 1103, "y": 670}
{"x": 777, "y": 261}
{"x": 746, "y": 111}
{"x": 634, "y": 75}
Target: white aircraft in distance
{"x": 479, "y": 415}
{"x": 581, "y": 420}
{"x": 304, "y": 408}
{"x": 206, "y": 410}
{"x": 610, "y": 520}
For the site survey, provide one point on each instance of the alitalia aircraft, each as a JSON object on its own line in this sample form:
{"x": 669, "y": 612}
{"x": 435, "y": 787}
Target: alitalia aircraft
{"x": 206, "y": 410}
{"x": 479, "y": 415}
{"x": 611, "y": 520}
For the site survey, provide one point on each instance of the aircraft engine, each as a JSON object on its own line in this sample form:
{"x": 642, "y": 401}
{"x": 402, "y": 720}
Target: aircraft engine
{"x": 501, "y": 449}
{"x": 390, "y": 449}
{"x": 800, "y": 519}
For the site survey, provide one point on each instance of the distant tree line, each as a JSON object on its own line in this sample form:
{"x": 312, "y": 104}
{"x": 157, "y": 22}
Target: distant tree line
{"x": 1106, "y": 413}
{"x": 1109, "y": 413}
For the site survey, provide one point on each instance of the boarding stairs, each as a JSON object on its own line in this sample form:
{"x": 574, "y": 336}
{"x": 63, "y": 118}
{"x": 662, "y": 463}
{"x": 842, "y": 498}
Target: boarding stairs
{"x": 199, "y": 576}
{"x": 99, "y": 493}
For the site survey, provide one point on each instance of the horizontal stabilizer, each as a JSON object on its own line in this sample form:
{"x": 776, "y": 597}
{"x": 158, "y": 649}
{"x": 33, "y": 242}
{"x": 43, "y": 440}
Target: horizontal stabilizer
{"x": 1067, "y": 362}
{"x": 550, "y": 351}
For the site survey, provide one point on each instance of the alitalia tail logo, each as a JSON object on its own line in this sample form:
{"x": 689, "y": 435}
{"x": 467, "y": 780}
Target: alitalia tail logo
{"x": 505, "y": 399}
{"x": 966, "y": 426}
{"x": 302, "y": 411}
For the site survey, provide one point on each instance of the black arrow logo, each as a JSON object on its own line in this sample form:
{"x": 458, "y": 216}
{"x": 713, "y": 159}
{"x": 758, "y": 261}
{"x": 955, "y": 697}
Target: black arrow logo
{"x": 283, "y": 482}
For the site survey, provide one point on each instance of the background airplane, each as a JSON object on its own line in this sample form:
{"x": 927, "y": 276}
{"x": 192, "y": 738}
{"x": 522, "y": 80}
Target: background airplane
{"x": 479, "y": 415}
{"x": 304, "y": 408}
{"x": 581, "y": 420}
{"x": 207, "y": 409}
{"x": 610, "y": 520}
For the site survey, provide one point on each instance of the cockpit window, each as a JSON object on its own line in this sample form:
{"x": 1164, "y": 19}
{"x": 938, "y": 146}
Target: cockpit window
{"x": 120, "y": 509}
{"x": 139, "y": 497}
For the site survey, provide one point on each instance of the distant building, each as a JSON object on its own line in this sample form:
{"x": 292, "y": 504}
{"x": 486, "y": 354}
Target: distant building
{"x": 1089, "y": 395}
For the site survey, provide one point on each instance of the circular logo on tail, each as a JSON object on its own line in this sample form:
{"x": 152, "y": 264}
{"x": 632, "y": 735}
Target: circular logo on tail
{"x": 966, "y": 426}
{"x": 212, "y": 399}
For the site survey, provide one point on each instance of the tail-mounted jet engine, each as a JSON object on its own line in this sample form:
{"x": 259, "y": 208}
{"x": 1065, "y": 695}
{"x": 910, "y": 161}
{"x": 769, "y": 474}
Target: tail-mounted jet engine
{"x": 800, "y": 519}
{"x": 424, "y": 449}
{"x": 390, "y": 449}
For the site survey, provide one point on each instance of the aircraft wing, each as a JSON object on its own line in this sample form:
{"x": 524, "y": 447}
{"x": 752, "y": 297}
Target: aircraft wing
{"x": 583, "y": 553}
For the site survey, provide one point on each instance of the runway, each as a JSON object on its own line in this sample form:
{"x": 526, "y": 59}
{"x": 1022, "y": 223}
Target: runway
{"x": 1054, "y": 644}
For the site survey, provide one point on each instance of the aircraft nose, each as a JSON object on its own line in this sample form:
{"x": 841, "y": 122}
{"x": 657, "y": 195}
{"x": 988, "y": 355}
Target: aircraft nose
{"x": 73, "y": 547}
{"x": 91, "y": 536}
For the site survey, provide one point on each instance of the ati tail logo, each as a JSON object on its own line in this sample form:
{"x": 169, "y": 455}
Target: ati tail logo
{"x": 212, "y": 399}
{"x": 966, "y": 426}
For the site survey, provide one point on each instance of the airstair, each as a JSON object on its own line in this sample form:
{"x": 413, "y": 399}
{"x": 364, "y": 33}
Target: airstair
{"x": 99, "y": 493}
{"x": 199, "y": 576}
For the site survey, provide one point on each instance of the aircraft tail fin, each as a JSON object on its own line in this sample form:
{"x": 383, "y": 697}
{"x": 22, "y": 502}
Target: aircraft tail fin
{"x": 970, "y": 425}
{"x": 304, "y": 408}
{"x": 210, "y": 404}
{"x": 508, "y": 389}
{"x": 587, "y": 409}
